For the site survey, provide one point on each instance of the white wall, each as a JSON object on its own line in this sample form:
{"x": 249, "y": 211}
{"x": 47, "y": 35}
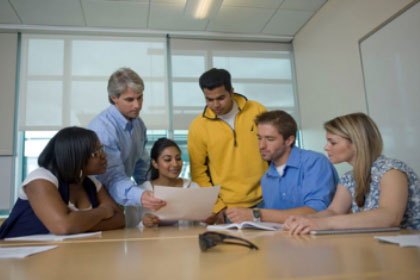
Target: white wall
{"x": 8, "y": 52}
{"x": 328, "y": 67}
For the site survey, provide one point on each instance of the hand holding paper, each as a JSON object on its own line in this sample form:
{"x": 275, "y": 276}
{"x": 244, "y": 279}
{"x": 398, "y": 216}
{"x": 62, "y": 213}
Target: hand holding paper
{"x": 186, "y": 203}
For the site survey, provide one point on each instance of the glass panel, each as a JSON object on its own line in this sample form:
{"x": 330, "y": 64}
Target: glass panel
{"x": 44, "y": 105}
{"x": 188, "y": 103}
{"x": 187, "y": 94}
{"x": 45, "y": 57}
{"x": 102, "y": 57}
{"x": 254, "y": 67}
{"x": 273, "y": 95}
{"x": 155, "y": 112}
{"x": 187, "y": 66}
{"x": 35, "y": 142}
{"x": 88, "y": 98}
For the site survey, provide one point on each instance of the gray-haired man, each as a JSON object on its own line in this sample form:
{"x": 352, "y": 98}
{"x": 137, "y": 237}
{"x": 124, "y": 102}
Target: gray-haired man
{"x": 123, "y": 134}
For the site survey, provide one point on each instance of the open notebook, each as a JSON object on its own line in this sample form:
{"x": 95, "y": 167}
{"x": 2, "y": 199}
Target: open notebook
{"x": 247, "y": 225}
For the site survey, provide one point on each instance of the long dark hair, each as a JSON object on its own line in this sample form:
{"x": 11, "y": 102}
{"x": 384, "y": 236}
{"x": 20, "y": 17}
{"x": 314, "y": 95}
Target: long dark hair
{"x": 160, "y": 145}
{"x": 68, "y": 152}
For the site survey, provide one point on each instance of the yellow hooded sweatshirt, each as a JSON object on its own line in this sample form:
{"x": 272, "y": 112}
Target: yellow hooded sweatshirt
{"x": 230, "y": 158}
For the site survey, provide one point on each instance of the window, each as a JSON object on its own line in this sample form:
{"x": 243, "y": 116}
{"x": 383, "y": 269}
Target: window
{"x": 63, "y": 82}
{"x": 260, "y": 71}
{"x": 64, "y": 78}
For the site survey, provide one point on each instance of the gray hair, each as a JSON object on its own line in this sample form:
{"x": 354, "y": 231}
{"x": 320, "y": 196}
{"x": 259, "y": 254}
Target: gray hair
{"x": 122, "y": 79}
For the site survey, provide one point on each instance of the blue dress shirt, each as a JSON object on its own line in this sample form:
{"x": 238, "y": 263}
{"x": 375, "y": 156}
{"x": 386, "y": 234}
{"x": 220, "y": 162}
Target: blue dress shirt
{"x": 309, "y": 179}
{"x": 124, "y": 143}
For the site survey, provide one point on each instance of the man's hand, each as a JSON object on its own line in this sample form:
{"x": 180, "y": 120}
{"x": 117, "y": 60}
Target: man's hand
{"x": 150, "y": 220}
{"x": 149, "y": 201}
{"x": 216, "y": 218}
{"x": 239, "y": 214}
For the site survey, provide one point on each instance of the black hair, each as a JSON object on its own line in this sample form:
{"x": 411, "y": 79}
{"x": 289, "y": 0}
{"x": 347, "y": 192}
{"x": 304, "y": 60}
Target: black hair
{"x": 158, "y": 147}
{"x": 214, "y": 78}
{"x": 68, "y": 152}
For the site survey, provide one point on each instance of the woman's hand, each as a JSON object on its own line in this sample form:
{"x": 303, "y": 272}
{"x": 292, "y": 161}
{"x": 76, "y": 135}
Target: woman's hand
{"x": 150, "y": 220}
{"x": 301, "y": 225}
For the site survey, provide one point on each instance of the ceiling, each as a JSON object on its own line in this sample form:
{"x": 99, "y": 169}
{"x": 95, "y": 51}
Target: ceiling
{"x": 277, "y": 20}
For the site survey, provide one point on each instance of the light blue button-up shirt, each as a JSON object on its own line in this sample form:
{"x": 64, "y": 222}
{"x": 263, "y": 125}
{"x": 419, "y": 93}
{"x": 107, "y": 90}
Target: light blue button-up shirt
{"x": 124, "y": 143}
{"x": 309, "y": 179}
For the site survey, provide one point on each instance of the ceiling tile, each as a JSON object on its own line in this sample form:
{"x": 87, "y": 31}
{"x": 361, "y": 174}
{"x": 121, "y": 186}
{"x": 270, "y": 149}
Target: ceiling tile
{"x": 238, "y": 19}
{"x": 307, "y": 5}
{"x": 287, "y": 22}
{"x": 118, "y": 14}
{"x": 49, "y": 12}
{"x": 268, "y": 4}
{"x": 7, "y": 14}
{"x": 171, "y": 17}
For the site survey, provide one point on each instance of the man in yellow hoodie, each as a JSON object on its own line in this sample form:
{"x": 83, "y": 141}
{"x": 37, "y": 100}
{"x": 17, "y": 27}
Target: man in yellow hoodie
{"x": 223, "y": 145}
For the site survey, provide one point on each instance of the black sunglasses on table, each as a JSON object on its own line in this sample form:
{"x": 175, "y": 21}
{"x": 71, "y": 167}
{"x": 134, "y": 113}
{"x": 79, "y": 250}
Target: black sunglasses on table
{"x": 210, "y": 239}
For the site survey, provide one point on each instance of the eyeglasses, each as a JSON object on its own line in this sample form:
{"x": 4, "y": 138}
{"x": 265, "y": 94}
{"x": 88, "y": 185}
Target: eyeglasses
{"x": 210, "y": 239}
{"x": 100, "y": 151}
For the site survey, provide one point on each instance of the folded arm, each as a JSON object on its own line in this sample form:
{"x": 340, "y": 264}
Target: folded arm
{"x": 50, "y": 208}
{"x": 116, "y": 221}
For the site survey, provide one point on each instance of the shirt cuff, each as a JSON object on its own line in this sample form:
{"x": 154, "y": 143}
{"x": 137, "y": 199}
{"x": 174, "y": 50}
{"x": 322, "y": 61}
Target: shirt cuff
{"x": 316, "y": 205}
{"x": 134, "y": 196}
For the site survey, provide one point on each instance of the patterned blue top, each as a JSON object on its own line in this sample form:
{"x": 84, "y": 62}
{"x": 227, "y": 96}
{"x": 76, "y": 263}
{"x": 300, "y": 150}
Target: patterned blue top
{"x": 124, "y": 143}
{"x": 383, "y": 164}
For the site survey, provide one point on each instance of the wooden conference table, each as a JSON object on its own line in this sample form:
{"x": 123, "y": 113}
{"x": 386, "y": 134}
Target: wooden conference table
{"x": 174, "y": 253}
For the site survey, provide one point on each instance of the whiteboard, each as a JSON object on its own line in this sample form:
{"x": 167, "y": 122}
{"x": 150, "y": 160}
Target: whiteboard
{"x": 391, "y": 69}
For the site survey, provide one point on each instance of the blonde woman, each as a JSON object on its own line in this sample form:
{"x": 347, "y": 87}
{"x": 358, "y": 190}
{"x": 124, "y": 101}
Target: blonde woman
{"x": 379, "y": 191}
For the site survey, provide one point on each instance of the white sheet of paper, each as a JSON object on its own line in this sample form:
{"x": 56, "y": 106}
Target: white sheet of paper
{"x": 53, "y": 237}
{"x": 21, "y": 252}
{"x": 404, "y": 240}
{"x": 186, "y": 204}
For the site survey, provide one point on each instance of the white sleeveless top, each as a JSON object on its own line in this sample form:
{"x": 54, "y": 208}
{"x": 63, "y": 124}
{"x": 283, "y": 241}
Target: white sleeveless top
{"x": 45, "y": 174}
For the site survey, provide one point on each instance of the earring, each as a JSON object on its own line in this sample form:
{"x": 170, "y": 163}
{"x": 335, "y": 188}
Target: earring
{"x": 81, "y": 174}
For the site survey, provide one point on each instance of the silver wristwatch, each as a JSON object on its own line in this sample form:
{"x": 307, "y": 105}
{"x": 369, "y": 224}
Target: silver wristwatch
{"x": 256, "y": 213}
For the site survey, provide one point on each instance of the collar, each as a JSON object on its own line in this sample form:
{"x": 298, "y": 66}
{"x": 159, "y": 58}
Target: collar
{"x": 121, "y": 120}
{"x": 293, "y": 162}
{"x": 240, "y": 99}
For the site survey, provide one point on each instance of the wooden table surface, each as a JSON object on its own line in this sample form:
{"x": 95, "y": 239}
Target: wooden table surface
{"x": 174, "y": 253}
